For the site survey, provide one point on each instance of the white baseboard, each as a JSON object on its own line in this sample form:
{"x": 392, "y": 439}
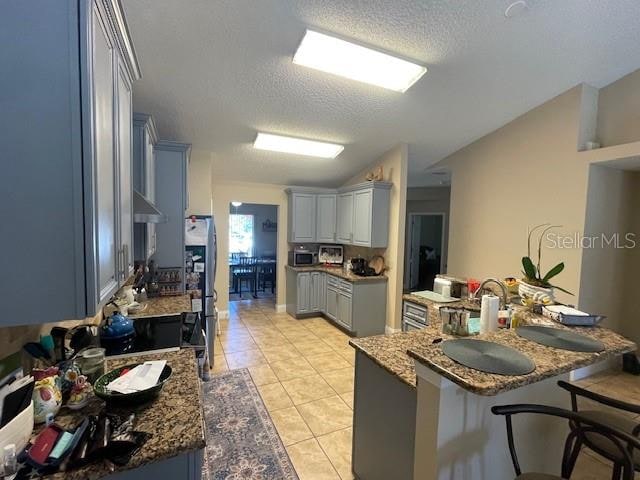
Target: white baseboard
{"x": 281, "y": 308}
{"x": 223, "y": 314}
{"x": 389, "y": 330}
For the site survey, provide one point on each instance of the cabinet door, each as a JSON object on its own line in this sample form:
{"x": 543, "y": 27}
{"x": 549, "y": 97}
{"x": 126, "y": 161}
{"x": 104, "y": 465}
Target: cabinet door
{"x": 362, "y": 205}
{"x": 326, "y": 218}
{"x": 322, "y": 292}
{"x": 125, "y": 168}
{"x": 344, "y": 309}
{"x": 104, "y": 160}
{"x": 345, "y": 217}
{"x": 150, "y": 178}
{"x": 149, "y": 166}
{"x": 303, "y": 217}
{"x": 332, "y": 303}
{"x": 318, "y": 292}
{"x": 304, "y": 293}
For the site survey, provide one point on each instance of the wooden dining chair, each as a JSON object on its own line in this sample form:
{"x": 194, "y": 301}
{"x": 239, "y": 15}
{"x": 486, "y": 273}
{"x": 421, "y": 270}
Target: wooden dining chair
{"x": 267, "y": 274}
{"x": 622, "y": 442}
{"x": 615, "y": 413}
{"x": 247, "y": 272}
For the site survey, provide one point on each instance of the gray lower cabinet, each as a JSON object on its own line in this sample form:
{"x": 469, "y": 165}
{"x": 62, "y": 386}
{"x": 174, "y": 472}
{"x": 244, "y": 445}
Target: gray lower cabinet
{"x": 67, "y": 196}
{"x": 345, "y": 310}
{"x": 332, "y": 302}
{"x": 358, "y": 307}
{"x": 318, "y": 292}
{"x": 304, "y": 293}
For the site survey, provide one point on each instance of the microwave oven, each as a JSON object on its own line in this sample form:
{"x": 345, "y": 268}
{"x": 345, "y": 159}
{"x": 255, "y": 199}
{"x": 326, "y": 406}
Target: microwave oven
{"x": 301, "y": 258}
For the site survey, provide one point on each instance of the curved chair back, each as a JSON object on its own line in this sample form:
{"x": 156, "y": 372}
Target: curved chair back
{"x": 624, "y": 442}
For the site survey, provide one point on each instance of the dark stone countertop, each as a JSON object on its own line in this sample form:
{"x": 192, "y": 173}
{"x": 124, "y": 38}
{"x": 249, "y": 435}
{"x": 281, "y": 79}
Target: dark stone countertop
{"x": 164, "y": 306}
{"x": 396, "y": 353}
{"x": 338, "y": 272}
{"x": 175, "y": 419}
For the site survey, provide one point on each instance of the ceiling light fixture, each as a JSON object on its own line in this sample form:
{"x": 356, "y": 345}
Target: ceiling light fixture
{"x": 236, "y": 204}
{"x": 312, "y": 148}
{"x": 346, "y": 59}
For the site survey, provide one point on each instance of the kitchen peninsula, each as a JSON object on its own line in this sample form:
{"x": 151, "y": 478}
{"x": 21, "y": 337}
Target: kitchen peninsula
{"x": 420, "y": 415}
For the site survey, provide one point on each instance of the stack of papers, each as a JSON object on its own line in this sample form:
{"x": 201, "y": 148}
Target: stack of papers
{"x": 140, "y": 378}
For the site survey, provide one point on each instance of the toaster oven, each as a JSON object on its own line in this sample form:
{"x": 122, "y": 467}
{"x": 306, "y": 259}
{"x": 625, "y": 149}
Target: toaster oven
{"x": 331, "y": 254}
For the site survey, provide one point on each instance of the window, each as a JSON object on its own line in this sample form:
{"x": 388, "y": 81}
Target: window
{"x": 241, "y": 234}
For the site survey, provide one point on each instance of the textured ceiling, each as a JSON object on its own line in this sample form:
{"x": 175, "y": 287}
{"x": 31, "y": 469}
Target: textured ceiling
{"x": 215, "y": 71}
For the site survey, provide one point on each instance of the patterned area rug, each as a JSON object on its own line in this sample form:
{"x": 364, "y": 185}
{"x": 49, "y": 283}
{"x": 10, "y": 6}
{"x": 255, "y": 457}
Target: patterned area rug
{"x": 242, "y": 442}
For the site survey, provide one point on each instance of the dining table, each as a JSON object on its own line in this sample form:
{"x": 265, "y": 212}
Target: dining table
{"x": 236, "y": 264}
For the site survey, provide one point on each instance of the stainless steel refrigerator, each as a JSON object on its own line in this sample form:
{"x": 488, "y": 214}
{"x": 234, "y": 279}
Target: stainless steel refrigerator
{"x": 201, "y": 256}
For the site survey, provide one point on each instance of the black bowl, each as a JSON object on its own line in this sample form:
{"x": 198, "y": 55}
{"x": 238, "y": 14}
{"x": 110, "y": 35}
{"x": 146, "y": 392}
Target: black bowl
{"x": 135, "y": 398}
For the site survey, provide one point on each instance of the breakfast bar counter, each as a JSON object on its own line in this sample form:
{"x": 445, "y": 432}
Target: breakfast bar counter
{"x": 437, "y": 422}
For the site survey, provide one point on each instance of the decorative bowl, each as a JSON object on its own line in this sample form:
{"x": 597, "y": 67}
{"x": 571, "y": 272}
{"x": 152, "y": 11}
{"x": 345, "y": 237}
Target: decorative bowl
{"x": 136, "y": 398}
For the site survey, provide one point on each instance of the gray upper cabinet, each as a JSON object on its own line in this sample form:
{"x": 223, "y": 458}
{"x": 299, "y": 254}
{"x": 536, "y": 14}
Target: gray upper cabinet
{"x": 66, "y": 196}
{"x": 125, "y": 167}
{"x": 326, "y": 218}
{"x": 353, "y": 215}
{"x": 103, "y": 64}
{"x": 362, "y": 203}
{"x": 302, "y": 217}
{"x": 144, "y": 177}
{"x": 371, "y": 216}
{"x": 345, "y": 217}
{"x": 171, "y": 165}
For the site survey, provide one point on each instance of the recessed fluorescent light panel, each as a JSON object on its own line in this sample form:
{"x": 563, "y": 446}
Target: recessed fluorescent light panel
{"x": 278, "y": 143}
{"x": 339, "y": 57}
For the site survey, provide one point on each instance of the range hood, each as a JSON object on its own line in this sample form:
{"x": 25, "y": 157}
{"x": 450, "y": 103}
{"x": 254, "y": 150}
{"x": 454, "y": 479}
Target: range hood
{"x": 144, "y": 211}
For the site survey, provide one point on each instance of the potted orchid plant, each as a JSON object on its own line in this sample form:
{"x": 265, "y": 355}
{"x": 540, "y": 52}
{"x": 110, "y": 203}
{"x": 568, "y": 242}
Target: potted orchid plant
{"x": 535, "y": 284}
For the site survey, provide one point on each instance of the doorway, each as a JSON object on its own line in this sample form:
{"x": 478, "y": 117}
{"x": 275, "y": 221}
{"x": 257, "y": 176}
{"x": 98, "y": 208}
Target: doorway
{"x": 424, "y": 257}
{"x": 253, "y": 243}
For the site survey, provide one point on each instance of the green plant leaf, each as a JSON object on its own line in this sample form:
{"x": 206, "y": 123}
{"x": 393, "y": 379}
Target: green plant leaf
{"x": 529, "y": 268}
{"x": 529, "y": 237}
{"x": 540, "y": 238}
{"x": 553, "y": 272}
{"x": 561, "y": 289}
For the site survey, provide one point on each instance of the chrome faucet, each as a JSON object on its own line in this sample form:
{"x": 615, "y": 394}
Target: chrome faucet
{"x": 503, "y": 287}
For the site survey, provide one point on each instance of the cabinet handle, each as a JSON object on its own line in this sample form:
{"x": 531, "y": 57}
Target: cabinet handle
{"x": 125, "y": 262}
{"x": 119, "y": 264}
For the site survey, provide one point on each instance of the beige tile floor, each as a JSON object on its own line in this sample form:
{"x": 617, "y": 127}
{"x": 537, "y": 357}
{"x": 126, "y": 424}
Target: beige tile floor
{"x": 304, "y": 372}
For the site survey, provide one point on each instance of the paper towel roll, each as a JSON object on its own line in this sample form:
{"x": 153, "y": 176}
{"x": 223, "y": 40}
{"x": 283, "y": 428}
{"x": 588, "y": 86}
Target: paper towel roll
{"x": 489, "y": 313}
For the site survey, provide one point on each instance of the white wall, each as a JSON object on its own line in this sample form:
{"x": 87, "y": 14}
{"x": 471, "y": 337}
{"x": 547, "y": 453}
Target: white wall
{"x": 222, "y": 195}
{"x": 521, "y": 175}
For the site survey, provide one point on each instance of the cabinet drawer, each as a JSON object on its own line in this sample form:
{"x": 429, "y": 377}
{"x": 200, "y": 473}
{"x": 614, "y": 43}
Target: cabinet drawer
{"x": 414, "y": 311}
{"x": 333, "y": 281}
{"x": 346, "y": 287}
